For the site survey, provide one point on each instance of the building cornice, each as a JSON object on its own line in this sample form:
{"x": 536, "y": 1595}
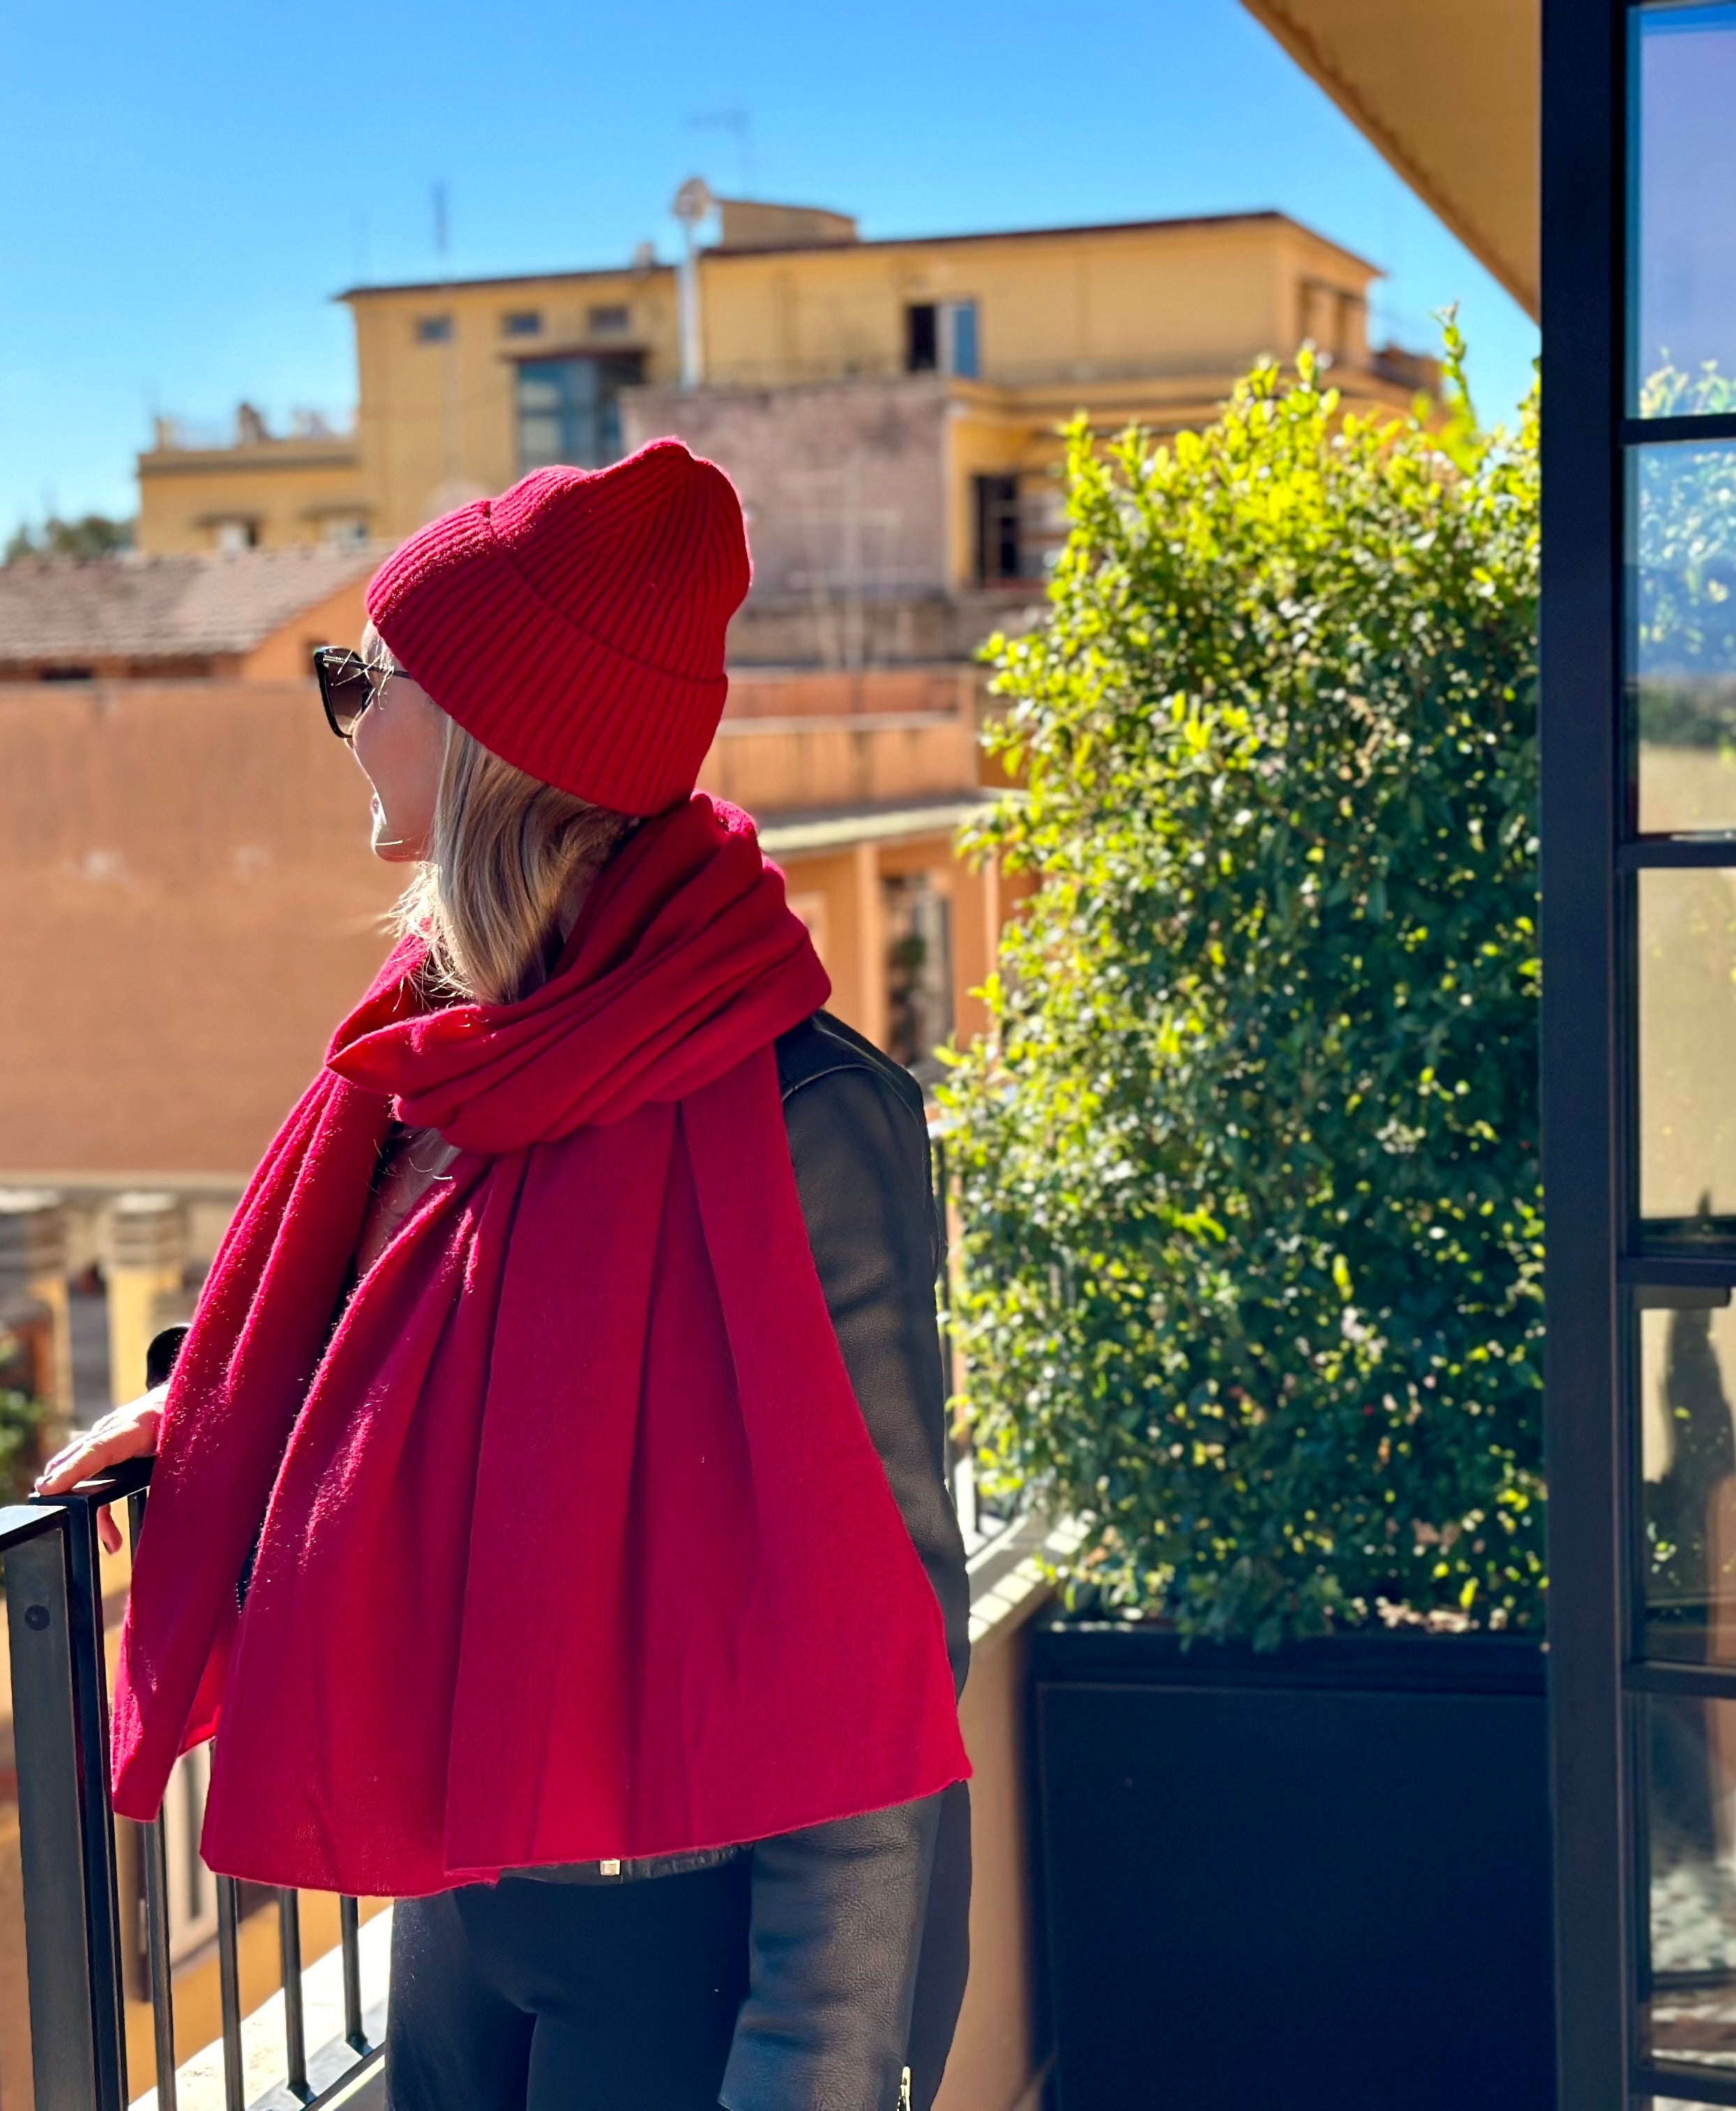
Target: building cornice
{"x": 1267, "y": 219}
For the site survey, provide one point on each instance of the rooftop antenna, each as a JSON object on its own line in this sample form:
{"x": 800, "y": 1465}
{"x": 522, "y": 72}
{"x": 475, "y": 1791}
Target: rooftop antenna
{"x": 740, "y": 123}
{"x": 693, "y": 201}
{"x": 449, "y": 351}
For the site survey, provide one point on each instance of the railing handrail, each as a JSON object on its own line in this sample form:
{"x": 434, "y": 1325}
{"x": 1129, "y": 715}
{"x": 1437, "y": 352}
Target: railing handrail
{"x": 72, "y": 1930}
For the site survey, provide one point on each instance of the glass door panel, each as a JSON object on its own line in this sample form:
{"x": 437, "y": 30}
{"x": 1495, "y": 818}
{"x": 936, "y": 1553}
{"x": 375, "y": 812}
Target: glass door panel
{"x": 1687, "y": 1046}
{"x": 1681, "y": 634}
{"x": 1682, "y": 299}
{"x": 1689, "y": 1768}
{"x": 1686, "y": 1510}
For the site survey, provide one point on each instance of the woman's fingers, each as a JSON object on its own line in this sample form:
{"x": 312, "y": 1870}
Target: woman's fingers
{"x": 107, "y": 1531}
{"x": 90, "y": 1455}
{"x": 124, "y": 1432}
{"x": 100, "y": 1431}
{"x": 64, "y": 1469}
{"x": 68, "y": 1452}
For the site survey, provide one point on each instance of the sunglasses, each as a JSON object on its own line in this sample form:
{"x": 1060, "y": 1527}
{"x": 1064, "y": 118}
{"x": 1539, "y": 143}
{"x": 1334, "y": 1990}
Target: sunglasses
{"x": 348, "y": 685}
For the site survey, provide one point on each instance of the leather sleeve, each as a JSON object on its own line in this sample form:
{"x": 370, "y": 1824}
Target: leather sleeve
{"x": 862, "y": 1171}
{"x": 839, "y": 1910}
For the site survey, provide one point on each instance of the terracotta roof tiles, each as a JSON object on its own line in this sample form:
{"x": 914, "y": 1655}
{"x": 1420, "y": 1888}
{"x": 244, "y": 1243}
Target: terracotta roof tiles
{"x": 165, "y": 607}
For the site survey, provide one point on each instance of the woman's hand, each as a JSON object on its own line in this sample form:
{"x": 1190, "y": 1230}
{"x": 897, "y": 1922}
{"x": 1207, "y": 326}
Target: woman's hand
{"x": 125, "y": 1432}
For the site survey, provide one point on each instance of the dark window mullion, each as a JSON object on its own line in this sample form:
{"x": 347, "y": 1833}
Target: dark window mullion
{"x": 1664, "y": 1270}
{"x": 1583, "y": 794}
{"x": 1637, "y": 1728}
{"x": 1677, "y": 853}
{"x": 1663, "y": 432}
{"x": 1678, "y": 2084}
{"x": 1699, "y": 1681}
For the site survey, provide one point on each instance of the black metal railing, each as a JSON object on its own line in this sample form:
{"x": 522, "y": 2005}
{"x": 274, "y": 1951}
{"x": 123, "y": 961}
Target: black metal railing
{"x": 71, "y": 1864}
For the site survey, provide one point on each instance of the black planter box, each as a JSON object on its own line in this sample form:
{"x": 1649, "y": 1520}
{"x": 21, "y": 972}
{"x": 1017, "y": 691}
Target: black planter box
{"x": 1314, "y": 1878}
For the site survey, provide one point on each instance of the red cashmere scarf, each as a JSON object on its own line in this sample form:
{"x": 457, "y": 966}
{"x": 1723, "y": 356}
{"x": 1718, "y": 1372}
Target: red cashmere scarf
{"x": 572, "y": 1542}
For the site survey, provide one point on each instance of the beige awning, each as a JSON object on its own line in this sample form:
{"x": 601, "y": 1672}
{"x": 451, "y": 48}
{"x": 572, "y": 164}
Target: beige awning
{"x": 790, "y": 835}
{"x": 1450, "y": 96}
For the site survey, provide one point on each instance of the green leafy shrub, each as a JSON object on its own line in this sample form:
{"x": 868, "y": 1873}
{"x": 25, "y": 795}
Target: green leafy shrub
{"x": 20, "y": 1420}
{"x": 1248, "y": 1157}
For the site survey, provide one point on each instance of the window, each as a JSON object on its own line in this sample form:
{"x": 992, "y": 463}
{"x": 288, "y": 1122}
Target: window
{"x": 344, "y": 529}
{"x": 999, "y": 552}
{"x": 611, "y": 321}
{"x": 232, "y": 535}
{"x": 1328, "y": 319}
{"x": 919, "y": 1013}
{"x": 521, "y": 322}
{"x": 433, "y": 329}
{"x": 959, "y": 337}
{"x": 941, "y": 336}
{"x": 570, "y": 409}
{"x": 1682, "y": 301}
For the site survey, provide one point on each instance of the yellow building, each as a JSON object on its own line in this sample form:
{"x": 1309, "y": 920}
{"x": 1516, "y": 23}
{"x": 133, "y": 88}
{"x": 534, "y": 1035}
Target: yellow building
{"x": 463, "y": 386}
{"x": 256, "y": 491}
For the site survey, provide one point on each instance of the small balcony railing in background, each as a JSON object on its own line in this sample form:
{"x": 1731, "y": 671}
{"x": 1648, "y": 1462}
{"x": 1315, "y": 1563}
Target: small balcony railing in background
{"x": 71, "y": 1868}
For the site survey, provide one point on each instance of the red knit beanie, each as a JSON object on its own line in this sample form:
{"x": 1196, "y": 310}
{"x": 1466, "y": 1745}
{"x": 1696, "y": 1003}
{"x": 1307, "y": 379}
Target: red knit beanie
{"x": 575, "y": 625}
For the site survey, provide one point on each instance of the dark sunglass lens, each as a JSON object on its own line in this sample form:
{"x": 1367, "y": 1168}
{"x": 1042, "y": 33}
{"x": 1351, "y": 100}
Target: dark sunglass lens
{"x": 344, "y": 687}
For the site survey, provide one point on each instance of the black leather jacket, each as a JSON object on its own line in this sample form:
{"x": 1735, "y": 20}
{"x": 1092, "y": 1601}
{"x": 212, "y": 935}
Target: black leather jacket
{"x": 859, "y": 1929}
{"x": 860, "y": 1940}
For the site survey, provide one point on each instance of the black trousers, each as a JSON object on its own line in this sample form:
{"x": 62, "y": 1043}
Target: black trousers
{"x": 531, "y": 1996}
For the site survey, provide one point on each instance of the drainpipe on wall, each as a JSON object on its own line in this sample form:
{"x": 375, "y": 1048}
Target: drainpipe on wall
{"x": 692, "y": 202}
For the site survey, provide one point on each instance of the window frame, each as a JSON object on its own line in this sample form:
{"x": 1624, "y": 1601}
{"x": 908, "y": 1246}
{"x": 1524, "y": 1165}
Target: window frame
{"x": 1603, "y": 1263}
{"x": 568, "y": 411}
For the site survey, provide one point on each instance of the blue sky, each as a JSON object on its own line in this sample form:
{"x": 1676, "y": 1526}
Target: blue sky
{"x": 187, "y": 185}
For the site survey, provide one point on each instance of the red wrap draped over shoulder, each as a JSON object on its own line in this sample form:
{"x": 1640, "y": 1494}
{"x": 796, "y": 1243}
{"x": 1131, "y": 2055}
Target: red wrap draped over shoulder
{"x": 569, "y": 1540}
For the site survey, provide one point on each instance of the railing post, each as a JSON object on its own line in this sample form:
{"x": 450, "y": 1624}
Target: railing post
{"x": 229, "y": 1982}
{"x": 100, "y": 1873}
{"x": 70, "y": 2072}
{"x": 349, "y": 1937}
{"x": 154, "y": 1838}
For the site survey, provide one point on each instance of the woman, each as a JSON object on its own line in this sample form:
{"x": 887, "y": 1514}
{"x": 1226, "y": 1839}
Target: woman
{"x": 549, "y": 1501}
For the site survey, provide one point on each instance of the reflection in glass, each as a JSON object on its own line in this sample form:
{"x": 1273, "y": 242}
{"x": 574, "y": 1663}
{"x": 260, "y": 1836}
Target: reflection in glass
{"x": 1687, "y": 1465}
{"x": 1683, "y": 298}
{"x": 1681, "y": 652}
{"x": 1687, "y": 1051}
{"x": 1689, "y": 1980}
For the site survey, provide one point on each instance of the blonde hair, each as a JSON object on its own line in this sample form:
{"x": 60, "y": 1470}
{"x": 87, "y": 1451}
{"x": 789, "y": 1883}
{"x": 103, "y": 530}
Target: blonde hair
{"x": 503, "y": 851}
